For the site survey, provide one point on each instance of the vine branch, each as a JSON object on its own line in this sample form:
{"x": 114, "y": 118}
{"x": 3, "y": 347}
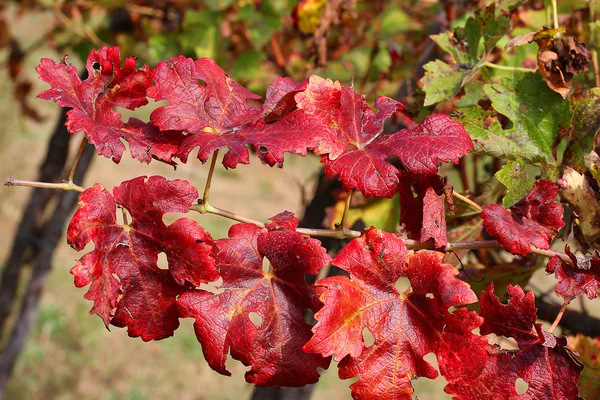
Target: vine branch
{"x": 77, "y": 157}
{"x": 561, "y": 312}
{"x": 211, "y": 171}
{"x": 204, "y": 207}
{"x": 44, "y": 185}
{"x": 466, "y": 200}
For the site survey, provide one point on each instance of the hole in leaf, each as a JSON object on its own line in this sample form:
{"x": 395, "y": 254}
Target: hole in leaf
{"x": 402, "y": 284}
{"x": 215, "y": 287}
{"x": 521, "y": 386}
{"x": 263, "y": 149}
{"x": 266, "y": 265}
{"x": 255, "y": 318}
{"x": 368, "y": 337}
{"x": 429, "y": 295}
{"x": 503, "y": 341}
{"x": 162, "y": 260}
{"x": 201, "y": 82}
{"x": 96, "y": 65}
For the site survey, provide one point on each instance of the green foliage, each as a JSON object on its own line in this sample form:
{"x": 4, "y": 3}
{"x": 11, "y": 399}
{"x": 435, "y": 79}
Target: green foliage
{"x": 441, "y": 81}
{"x": 515, "y": 177}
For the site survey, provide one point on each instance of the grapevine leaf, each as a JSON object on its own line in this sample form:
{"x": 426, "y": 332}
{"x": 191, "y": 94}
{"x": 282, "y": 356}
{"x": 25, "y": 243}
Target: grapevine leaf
{"x": 442, "y": 81}
{"x": 353, "y": 147}
{"x": 489, "y": 137}
{"x": 218, "y": 112}
{"x": 452, "y": 44}
{"x": 422, "y": 207}
{"x": 534, "y": 220}
{"x": 579, "y": 194}
{"x": 588, "y": 350}
{"x": 586, "y": 124}
{"x": 273, "y": 347}
{"x": 92, "y": 101}
{"x": 406, "y": 326}
{"x": 536, "y": 113}
{"x": 580, "y": 276}
{"x": 542, "y": 360}
{"x": 143, "y": 296}
{"x": 514, "y": 176}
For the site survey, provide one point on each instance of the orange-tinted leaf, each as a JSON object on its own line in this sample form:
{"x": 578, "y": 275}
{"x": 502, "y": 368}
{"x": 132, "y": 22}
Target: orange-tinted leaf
{"x": 406, "y": 326}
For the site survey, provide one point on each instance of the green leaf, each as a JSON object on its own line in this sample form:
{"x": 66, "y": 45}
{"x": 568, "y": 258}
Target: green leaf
{"x": 473, "y": 93}
{"x": 518, "y": 183}
{"x": 452, "y": 45}
{"x": 494, "y": 26}
{"x": 536, "y": 113}
{"x": 441, "y": 81}
{"x": 489, "y": 137}
{"x": 246, "y": 66}
{"x": 586, "y": 124}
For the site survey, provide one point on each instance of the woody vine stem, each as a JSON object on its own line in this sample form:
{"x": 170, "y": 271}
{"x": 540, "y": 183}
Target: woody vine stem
{"x": 341, "y": 231}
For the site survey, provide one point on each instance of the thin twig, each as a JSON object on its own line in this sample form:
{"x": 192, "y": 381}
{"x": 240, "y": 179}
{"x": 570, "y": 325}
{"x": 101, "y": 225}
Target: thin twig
{"x": 211, "y": 171}
{"x": 44, "y": 185}
{"x": 77, "y": 157}
{"x": 466, "y": 200}
{"x": 343, "y": 222}
{"x": 558, "y": 317}
{"x": 555, "y": 13}
{"x": 204, "y": 208}
{"x": 507, "y": 68}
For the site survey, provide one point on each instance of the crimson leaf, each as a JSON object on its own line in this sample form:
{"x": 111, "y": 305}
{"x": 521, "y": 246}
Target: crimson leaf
{"x": 218, "y": 112}
{"x": 273, "y": 347}
{"x": 542, "y": 360}
{"x": 406, "y": 326}
{"x": 582, "y": 275}
{"x": 354, "y": 149}
{"x": 534, "y": 220}
{"x": 93, "y": 101}
{"x": 126, "y": 284}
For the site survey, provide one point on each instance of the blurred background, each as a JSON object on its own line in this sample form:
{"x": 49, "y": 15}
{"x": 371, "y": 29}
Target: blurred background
{"x": 51, "y": 348}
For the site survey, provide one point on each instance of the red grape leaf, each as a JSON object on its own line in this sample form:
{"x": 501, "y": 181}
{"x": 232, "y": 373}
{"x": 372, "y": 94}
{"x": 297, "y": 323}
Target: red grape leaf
{"x": 581, "y": 276}
{"x": 126, "y": 284}
{"x": 534, "y": 220}
{"x": 542, "y": 360}
{"x": 354, "y": 148}
{"x": 406, "y": 326}
{"x": 92, "y": 101}
{"x": 422, "y": 207}
{"x": 221, "y": 113}
{"x": 273, "y": 347}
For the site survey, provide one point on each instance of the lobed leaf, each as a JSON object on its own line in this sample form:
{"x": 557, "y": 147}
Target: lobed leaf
{"x": 273, "y": 347}
{"x": 93, "y": 100}
{"x": 406, "y": 326}
{"x": 126, "y": 284}
{"x": 534, "y": 220}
